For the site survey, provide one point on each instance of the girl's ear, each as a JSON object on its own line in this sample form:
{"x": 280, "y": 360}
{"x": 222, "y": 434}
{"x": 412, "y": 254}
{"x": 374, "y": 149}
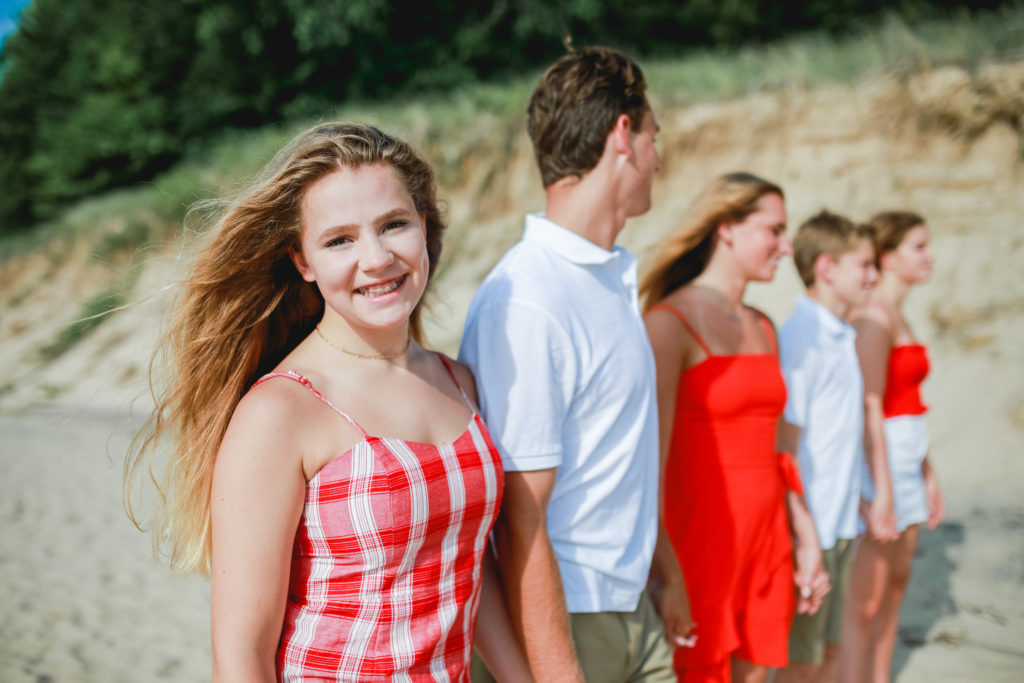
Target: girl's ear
{"x": 885, "y": 260}
{"x": 301, "y": 265}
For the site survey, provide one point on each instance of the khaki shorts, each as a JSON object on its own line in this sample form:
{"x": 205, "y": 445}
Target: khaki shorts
{"x": 810, "y": 633}
{"x": 615, "y": 647}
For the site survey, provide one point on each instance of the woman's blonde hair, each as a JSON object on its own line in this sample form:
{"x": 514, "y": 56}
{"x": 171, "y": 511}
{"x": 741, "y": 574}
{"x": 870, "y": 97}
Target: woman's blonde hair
{"x": 683, "y": 255}
{"x": 243, "y": 308}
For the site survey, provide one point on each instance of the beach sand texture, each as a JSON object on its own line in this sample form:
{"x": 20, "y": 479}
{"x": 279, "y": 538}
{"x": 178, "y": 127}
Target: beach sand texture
{"x": 83, "y": 600}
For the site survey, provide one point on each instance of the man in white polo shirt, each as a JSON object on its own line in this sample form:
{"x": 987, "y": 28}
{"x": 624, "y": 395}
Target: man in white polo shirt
{"x": 566, "y": 382}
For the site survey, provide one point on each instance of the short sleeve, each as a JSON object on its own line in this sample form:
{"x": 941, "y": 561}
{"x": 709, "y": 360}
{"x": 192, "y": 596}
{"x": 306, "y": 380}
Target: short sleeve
{"x": 525, "y": 372}
{"x": 798, "y": 362}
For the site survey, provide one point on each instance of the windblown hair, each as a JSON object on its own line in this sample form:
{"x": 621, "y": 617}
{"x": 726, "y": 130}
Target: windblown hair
{"x": 683, "y": 255}
{"x": 890, "y": 228}
{"x": 243, "y": 308}
{"x": 575, "y": 106}
{"x": 826, "y": 233}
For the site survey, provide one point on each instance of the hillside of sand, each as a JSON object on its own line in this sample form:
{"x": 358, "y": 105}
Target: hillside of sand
{"x": 84, "y": 601}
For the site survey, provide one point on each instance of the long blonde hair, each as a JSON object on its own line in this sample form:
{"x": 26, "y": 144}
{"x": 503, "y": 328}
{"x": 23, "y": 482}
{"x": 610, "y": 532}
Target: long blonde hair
{"x": 683, "y": 255}
{"x": 243, "y": 308}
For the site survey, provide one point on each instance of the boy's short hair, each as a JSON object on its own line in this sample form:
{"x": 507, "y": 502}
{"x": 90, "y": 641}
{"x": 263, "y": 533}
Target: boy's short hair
{"x": 575, "y": 106}
{"x": 825, "y": 233}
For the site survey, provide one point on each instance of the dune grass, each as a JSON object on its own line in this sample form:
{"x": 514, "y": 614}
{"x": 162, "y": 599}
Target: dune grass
{"x": 814, "y": 59}
{"x": 482, "y": 119}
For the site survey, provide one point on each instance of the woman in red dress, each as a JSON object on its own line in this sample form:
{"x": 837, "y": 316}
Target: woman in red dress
{"x": 730, "y": 500}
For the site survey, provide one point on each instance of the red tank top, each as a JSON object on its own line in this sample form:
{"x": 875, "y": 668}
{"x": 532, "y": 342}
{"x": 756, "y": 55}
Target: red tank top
{"x": 908, "y": 366}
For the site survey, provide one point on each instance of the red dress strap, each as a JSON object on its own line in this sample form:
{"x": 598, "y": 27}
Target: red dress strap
{"x": 451, "y": 372}
{"x": 292, "y": 375}
{"x": 686, "y": 323}
{"x": 769, "y": 331}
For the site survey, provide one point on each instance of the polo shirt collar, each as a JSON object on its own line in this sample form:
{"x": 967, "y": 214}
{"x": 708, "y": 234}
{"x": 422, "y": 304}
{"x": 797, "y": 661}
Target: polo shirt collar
{"x": 830, "y": 323}
{"x": 566, "y": 243}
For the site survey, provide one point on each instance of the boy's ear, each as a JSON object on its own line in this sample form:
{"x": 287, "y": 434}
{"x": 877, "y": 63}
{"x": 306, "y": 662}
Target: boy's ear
{"x": 822, "y": 268}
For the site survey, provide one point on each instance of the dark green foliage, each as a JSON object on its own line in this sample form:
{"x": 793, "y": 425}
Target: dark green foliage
{"x": 98, "y": 94}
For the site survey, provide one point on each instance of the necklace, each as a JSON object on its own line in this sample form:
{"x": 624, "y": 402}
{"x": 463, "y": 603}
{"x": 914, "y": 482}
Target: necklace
{"x": 365, "y": 356}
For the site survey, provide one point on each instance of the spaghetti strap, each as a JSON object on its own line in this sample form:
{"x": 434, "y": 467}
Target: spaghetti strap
{"x": 769, "y": 331}
{"x": 291, "y": 374}
{"x": 451, "y": 372}
{"x": 686, "y": 323}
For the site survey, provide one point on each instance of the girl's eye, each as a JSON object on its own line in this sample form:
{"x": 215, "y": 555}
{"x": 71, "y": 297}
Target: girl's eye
{"x": 395, "y": 225}
{"x": 338, "y": 241}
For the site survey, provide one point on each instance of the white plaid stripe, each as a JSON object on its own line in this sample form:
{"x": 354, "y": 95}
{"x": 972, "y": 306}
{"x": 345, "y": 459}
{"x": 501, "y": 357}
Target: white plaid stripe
{"x": 305, "y": 624}
{"x": 490, "y": 474}
{"x": 360, "y": 505}
{"x": 403, "y": 647}
{"x": 448, "y": 608}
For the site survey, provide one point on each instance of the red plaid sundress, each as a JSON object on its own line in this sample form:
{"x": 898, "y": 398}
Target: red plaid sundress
{"x": 386, "y": 566}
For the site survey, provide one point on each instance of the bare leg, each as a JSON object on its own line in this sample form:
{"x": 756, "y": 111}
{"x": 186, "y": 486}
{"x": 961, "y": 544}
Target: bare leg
{"x": 797, "y": 673}
{"x": 829, "y": 670}
{"x": 747, "y": 672}
{"x": 868, "y": 581}
{"x": 883, "y": 631}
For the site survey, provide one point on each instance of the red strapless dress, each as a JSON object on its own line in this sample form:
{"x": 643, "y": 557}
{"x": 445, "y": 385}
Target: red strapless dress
{"x": 725, "y": 513}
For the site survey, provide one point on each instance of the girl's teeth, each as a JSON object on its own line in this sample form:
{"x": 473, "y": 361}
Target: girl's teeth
{"x": 377, "y": 291}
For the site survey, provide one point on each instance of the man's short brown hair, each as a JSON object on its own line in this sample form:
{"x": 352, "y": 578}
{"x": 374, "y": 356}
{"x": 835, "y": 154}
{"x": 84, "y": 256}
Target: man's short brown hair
{"x": 825, "y": 233}
{"x": 575, "y": 106}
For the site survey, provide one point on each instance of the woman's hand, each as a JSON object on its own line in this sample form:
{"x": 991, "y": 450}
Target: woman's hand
{"x": 880, "y": 517}
{"x": 810, "y": 577}
{"x": 673, "y": 605}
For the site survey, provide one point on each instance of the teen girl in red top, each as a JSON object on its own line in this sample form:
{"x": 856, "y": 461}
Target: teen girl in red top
{"x": 726, "y": 489}
{"x": 342, "y": 503}
{"x": 901, "y": 491}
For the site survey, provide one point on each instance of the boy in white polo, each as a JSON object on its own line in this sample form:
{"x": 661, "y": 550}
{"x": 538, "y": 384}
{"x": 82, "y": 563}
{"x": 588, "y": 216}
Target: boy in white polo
{"x": 824, "y": 417}
{"x": 565, "y": 377}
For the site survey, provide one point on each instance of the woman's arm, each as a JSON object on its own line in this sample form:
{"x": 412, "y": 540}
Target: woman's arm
{"x": 256, "y": 501}
{"x": 809, "y": 573}
{"x": 496, "y": 640}
{"x": 874, "y": 342}
{"x": 667, "y": 585}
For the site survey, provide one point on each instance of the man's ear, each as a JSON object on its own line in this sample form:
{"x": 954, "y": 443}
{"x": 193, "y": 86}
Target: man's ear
{"x": 620, "y": 135}
{"x": 301, "y": 265}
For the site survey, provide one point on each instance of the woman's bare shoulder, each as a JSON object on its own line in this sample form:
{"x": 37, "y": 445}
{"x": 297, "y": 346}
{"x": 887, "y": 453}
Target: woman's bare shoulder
{"x": 875, "y": 311}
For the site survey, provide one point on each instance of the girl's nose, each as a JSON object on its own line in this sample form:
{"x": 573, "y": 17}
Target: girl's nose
{"x": 374, "y": 253}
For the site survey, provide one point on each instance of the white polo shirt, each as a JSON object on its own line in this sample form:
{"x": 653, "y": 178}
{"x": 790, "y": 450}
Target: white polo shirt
{"x": 825, "y": 398}
{"x": 565, "y": 376}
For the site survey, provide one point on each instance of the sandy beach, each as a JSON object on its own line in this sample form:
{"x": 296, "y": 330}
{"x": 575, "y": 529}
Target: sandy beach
{"x": 84, "y": 600}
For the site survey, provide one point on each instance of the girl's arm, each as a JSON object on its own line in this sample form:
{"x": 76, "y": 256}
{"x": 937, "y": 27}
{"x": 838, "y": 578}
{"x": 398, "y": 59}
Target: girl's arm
{"x": 496, "y": 640}
{"x": 672, "y": 352}
{"x": 256, "y": 501}
{"x": 874, "y": 342}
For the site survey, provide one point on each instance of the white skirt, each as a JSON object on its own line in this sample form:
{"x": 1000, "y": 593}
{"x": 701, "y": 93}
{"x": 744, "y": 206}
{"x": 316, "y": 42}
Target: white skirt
{"x": 906, "y": 444}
